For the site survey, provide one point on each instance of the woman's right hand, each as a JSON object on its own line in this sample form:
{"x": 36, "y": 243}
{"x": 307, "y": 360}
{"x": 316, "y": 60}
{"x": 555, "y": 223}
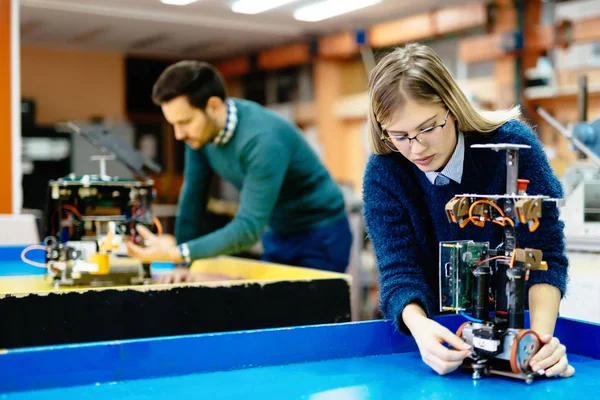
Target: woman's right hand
{"x": 430, "y": 337}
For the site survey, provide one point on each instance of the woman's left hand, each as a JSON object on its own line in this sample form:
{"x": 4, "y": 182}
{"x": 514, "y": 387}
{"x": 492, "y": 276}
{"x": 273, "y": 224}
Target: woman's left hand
{"x": 552, "y": 358}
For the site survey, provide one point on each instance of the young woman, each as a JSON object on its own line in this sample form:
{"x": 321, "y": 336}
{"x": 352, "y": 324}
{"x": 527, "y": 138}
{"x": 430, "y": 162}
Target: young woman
{"x": 422, "y": 127}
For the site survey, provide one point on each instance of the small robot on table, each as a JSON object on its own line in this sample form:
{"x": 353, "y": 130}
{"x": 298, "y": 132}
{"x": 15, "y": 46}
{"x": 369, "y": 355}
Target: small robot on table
{"x": 90, "y": 217}
{"x": 491, "y": 283}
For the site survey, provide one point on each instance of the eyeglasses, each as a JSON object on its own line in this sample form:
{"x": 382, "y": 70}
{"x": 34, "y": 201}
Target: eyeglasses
{"x": 397, "y": 143}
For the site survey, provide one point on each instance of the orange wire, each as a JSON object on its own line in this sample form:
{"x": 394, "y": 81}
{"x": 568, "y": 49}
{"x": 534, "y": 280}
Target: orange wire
{"x": 510, "y": 221}
{"x": 493, "y": 258}
{"x": 484, "y": 202}
{"x": 159, "y": 228}
{"x": 73, "y": 209}
{"x": 504, "y": 218}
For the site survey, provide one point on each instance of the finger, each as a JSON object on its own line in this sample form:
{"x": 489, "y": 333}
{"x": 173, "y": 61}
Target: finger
{"x": 144, "y": 232}
{"x": 546, "y": 351}
{"x": 191, "y": 277}
{"x": 163, "y": 279}
{"x": 170, "y": 239}
{"x": 178, "y": 277}
{"x": 570, "y": 371}
{"x": 546, "y": 338}
{"x": 133, "y": 250}
{"x": 557, "y": 368}
{"x": 440, "y": 366}
{"x": 552, "y": 359}
{"x": 445, "y": 354}
{"x": 453, "y": 340}
{"x": 432, "y": 363}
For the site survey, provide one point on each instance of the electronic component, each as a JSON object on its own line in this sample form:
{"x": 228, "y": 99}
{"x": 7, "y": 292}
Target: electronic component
{"x": 490, "y": 283}
{"x": 89, "y": 218}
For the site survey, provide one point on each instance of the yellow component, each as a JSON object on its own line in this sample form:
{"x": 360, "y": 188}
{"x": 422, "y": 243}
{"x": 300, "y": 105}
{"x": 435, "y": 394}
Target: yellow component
{"x": 531, "y": 258}
{"x": 481, "y": 209}
{"x": 529, "y": 211}
{"x": 103, "y": 264}
{"x": 450, "y": 245}
{"x": 457, "y": 209}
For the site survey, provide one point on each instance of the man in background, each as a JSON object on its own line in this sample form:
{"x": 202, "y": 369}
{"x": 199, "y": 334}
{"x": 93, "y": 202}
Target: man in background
{"x": 287, "y": 196}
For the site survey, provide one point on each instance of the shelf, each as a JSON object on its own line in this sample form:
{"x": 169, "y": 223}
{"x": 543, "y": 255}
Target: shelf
{"x": 547, "y": 93}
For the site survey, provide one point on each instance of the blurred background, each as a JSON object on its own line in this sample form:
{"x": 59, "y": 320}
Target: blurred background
{"x": 96, "y": 61}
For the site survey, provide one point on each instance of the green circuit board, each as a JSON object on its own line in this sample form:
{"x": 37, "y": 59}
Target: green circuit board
{"x": 456, "y": 279}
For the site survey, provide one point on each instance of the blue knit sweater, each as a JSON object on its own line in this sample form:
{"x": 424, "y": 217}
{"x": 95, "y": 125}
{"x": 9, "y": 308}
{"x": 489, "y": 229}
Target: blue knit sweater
{"x": 405, "y": 217}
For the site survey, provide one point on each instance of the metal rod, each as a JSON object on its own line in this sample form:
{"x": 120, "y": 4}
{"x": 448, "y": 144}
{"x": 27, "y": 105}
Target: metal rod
{"x": 512, "y": 171}
{"x": 368, "y": 58}
{"x": 582, "y": 98}
{"x": 567, "y": 133}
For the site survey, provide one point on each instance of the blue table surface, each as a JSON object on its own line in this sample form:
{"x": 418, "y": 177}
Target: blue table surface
{"x": 367, "y": 360}
{"x": 11, "y": 264}
{"x": 339, "y": 361}
{"x": 391, "y": 376}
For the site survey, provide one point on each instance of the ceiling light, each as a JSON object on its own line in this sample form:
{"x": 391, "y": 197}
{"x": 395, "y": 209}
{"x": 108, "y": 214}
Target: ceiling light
{"x": 255, "y": 7}
{"x": 178, "y": 2}
{"x": 330, "y": 8}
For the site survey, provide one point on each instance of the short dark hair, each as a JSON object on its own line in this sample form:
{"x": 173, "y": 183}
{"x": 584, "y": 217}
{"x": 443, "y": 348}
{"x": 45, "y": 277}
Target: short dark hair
{"x": 199, "y": 81}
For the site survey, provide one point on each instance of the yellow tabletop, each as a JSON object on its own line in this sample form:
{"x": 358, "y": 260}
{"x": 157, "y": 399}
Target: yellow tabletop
{"x": 230, "y": 271}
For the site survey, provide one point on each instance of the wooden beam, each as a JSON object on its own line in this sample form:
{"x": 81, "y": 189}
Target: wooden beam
{"x": 456, "y": 19}
{"x": 234, "y": 67}
{"x": 428, "y": 25}
{"x": 280, "y": 57}
{"x": 586, "y": 30}
{"x": 6, "y": 206}
{"x": 482, "y": 48}
{"x": 401, "y": 31}
{"x": 539, "y": 38}
{"x": 342, "y": 45}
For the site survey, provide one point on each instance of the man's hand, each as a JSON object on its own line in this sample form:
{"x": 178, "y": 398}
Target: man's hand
{"x": 552, "y": 358}
{"x": 158, "y": 248}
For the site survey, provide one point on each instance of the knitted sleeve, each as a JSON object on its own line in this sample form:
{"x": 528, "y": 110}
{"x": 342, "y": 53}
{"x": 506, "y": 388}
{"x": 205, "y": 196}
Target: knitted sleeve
{"x": 190, "y": 221}
{"x": 388, "y": 223}
{"x": 265, "y": 162}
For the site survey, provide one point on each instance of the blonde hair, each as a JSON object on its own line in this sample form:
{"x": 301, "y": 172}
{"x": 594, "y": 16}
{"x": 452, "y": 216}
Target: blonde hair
{"x": 416, "y": 72}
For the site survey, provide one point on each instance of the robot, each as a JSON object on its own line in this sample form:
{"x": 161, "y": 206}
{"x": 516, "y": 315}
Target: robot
{"x": 490, "y": 283}
{"x": 89, "y": 218}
